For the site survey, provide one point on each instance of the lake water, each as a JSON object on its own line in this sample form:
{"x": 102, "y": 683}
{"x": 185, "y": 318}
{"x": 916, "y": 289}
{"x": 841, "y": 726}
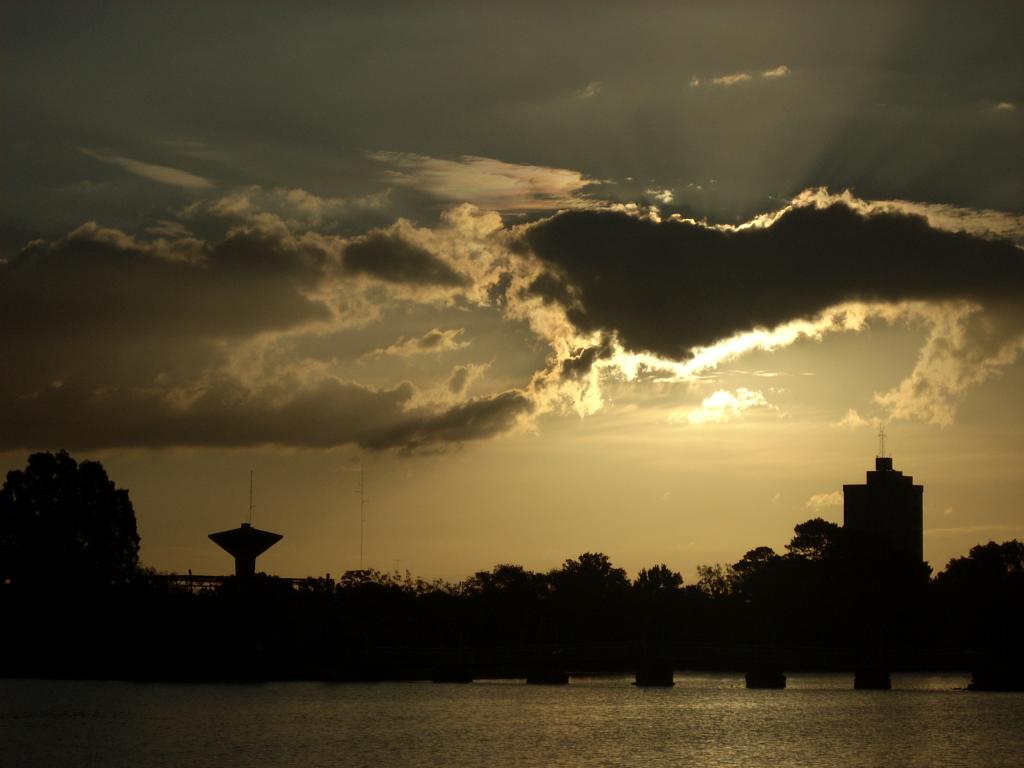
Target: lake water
{"x": 705, "y": 720}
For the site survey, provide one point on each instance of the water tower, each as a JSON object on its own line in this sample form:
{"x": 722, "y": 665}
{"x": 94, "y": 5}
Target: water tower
{"x": 245, "y": 544}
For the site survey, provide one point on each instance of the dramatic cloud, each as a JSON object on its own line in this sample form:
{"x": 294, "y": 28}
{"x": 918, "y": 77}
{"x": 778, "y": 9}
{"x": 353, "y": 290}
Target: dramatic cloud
{"x": 964, "y": 348}
{"x": 673, "y": 300}
{"x": 486, "y": 182}
{"x": 780, "y": 71}
{"x": 590, "y": 90}
{"x": 1005, "y": 106}
{"x": 669, "y": 287}
{"x": 103, "y": 317}
{"x": 256, "y": 331}
{"x": 988, "y": 224}
{"x": 113, "y": 340}
{"x": 161, "y": 174}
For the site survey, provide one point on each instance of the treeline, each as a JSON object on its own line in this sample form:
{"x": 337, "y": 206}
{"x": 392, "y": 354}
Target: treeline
{"x": 75, "y": 602}
{"x": 826, "y": 589}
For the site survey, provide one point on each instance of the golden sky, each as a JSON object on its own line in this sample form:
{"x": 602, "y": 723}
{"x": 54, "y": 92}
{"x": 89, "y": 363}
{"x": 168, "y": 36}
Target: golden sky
{"x": 637, "y": 280}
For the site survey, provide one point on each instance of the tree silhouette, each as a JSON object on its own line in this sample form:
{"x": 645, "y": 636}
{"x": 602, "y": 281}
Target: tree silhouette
{"x": 987, "y": 566}
{"x": 814, "y": 538}
{"x": 588, "y": 596}
{"x": 61, "y": 521}
{"x": 506, "y": 580}
{"x": 759, "y": 574}
{"x": 979, "y": 596}
{"x": 715, "y": 581}
{"x": 657, "y": 579}
{"x": 591, "y": 575}
{"x": 754, "y": 562}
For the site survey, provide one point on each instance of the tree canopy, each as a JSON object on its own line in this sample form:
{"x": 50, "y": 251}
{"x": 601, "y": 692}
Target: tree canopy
{"x": 657, "y": 579}
{"x": 61, "y": 520}
{"x": 814, "y": 538}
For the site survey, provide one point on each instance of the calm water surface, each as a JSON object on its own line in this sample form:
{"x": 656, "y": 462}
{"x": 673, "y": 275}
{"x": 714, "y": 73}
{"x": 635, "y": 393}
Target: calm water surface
{"x": 706, "y": 720}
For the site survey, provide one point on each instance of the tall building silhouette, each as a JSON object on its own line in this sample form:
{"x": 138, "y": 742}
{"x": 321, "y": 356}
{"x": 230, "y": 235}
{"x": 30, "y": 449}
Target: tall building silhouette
{"x": 888, "y": 508}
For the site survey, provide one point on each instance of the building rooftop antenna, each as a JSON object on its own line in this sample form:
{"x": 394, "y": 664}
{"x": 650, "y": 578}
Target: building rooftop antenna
{"x": 252, "y": 506}
{"x": 881, "y": 441}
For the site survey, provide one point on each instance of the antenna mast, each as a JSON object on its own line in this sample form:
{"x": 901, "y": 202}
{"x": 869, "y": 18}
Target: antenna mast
{"x": 881, "y": 441}
{"x": 362, "y": 511}
{"x": 251, "y": 505}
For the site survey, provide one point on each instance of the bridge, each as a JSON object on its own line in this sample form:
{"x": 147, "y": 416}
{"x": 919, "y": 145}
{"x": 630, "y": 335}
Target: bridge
{"x": 652, "y": 663}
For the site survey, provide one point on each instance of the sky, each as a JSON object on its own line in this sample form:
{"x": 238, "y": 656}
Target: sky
{"x": 641, "y": 279}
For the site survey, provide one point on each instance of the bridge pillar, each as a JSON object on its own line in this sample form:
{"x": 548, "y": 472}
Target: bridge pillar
{"x": 872, "y": 679}
{"x": 766, "y": 677}
{"x": 997, "y": 672}
{"x": 655, "y": 674}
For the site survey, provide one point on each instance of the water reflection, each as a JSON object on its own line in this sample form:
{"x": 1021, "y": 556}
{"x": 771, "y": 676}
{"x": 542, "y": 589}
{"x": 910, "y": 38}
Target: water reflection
{"x": 708, "y": 720}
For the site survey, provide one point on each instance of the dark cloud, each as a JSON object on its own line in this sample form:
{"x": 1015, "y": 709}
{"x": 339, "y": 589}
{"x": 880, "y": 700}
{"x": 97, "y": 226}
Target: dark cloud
{"x": 552, "y": 288}
{"x": 225, "y": 414}
{"x": 389, "y": 257}
{"x": 884, "y": 97}
{"x": 667, "y": 287}
{"x": 105, "y": 282}
{"x": 458, "y": 380}
{"x": 579, "y": 363}
{"x": 497, "y": 292}
{"x": 110, "y": 341}
{"x": 474, "y": 420}
{"x": 103, "y": 310}
{"x": 432, "y": 339}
